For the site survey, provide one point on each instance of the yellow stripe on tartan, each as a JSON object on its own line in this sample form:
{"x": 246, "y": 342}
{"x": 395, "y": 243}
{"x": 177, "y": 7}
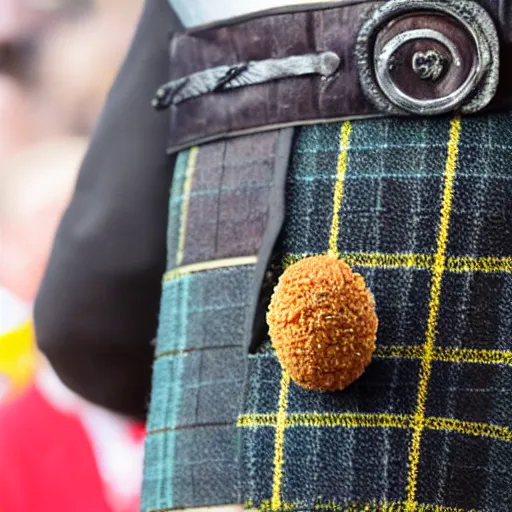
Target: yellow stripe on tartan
{"x": 349, "y": 420}
{"x": 448, "y": 355}
{"x": 468, "y": 355}
{"x": 397, "y": 352}
{"x": 257, "y": 420}
{"x": 469, "y": 428}
{"x": 376, "y": 260}
{"x": 356, "y": 506}
{"x": 318, "y": 419}
{"x": 435, "y": 300}
{"x": 279, "y": 441}
{"x": 346, "y": 130}
{"x": 209, "y": 265}
{"x": 373, "y": 420}
{"x": 384, "y": 506}
{"x": 409, "y": 260}
{"x": 266, "y": 506}
{"x": 467, "y": 264}
{"x": 420, "y": 507}
{"x": 187, "y": 187}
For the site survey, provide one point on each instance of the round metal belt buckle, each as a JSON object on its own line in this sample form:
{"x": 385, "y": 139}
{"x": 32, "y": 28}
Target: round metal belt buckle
{"x": 428, "y": 57}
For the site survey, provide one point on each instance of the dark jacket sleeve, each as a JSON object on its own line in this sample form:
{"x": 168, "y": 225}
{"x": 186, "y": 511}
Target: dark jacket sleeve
{"x": 96, "y": 311}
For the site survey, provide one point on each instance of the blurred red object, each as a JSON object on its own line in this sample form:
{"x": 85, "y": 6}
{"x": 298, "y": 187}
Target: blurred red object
{"x": 50, "y": 460}
{"x": 45, "y": 463}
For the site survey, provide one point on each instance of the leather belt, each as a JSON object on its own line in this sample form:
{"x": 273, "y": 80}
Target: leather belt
{"x": 334, "y": 61}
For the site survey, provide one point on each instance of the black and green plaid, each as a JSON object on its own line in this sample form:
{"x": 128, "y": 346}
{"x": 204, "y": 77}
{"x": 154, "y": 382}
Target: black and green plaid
{"x": 218, "y": 211}
{"x": 422, "y": 209}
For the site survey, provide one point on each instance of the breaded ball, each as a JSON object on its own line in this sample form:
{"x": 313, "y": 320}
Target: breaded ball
{"x": 322, "y": 323}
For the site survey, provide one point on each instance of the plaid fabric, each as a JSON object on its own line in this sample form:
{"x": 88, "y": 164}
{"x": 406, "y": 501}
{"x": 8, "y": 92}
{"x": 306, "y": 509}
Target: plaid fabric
{"x": 422, "y": 208}
{"x": 219, "y": 200}
{"x": 218, "y": 209}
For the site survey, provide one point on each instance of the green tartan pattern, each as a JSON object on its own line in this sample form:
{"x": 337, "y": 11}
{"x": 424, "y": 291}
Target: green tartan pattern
{"x": 192, "y": 445}
{"x": 424, "y": 213}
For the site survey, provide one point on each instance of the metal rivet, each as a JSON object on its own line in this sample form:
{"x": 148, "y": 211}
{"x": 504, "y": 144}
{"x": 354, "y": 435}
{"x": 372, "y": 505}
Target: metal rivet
{"x": 429, "y": 65}
{"x": 376, "y": 65}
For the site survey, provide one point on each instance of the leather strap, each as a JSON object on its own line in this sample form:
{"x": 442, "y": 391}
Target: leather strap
{"x": 451, "y": 62}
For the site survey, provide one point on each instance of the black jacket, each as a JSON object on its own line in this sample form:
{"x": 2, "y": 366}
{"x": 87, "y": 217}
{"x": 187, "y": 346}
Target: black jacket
{"x": 96, "y": 312}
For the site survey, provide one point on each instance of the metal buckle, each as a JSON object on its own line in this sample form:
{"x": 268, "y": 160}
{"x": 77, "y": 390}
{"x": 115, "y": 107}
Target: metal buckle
{"x": 376, "y": 63}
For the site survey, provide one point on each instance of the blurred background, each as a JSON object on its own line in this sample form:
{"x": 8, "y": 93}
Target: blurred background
{"x": 58, "y": 59}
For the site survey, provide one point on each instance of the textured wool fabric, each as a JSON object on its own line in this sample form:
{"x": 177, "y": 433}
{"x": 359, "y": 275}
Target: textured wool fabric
{"x": 220, "y": 200}
{"x": 219, "y": 207}
{"x": 191, "y": 447}
{"x": 422, "y": 209}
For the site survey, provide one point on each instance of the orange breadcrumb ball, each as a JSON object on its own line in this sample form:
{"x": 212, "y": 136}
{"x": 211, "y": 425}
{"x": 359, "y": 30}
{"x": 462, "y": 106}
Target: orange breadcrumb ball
{"x": 322, "y": 323}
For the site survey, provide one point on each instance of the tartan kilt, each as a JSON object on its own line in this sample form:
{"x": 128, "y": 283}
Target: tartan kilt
{"x": 422, "y": 208}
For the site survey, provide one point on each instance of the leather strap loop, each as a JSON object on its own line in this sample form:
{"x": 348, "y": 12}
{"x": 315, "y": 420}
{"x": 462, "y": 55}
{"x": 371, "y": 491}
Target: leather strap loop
{"x": 457, "y": 70}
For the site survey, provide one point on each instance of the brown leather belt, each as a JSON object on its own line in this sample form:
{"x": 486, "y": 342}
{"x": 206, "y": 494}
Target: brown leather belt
{"x": 334, "y": 61}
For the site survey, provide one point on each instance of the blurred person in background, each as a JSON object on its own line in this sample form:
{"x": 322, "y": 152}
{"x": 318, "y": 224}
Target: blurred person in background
{"x": 22, "y": 24}
{"x": 78, "y": 61}
{"x": 34, "y": 188}
{"x": 18, "y": 126}
{"x": 59, "y": 452}
{"x": 57, "y": 61}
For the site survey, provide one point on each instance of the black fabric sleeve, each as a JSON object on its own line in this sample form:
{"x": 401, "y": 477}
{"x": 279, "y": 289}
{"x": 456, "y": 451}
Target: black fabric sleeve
{"x": 97, "y": 308}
